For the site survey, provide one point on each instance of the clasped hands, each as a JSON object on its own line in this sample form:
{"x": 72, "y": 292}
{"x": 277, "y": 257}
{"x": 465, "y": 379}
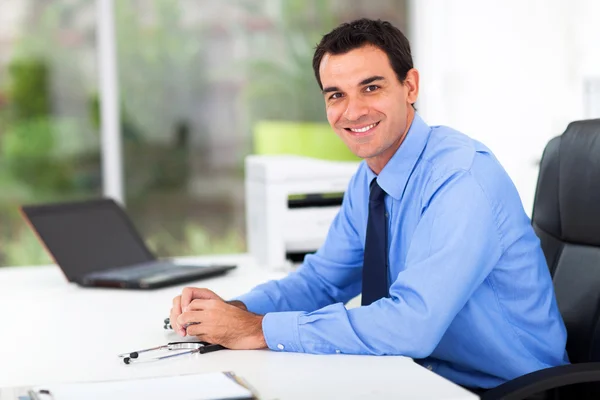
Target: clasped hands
{"x": 202, "y": 313}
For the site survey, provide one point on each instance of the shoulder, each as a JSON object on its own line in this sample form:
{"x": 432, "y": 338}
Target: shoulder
{"x": 466, "y": 169}
{"x": 450, "y": 153}
{"x": 450, "y": 150}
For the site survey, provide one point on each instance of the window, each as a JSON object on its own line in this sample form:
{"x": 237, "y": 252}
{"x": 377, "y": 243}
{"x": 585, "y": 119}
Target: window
{"x": 49, "y": 143}
{"x": 205, "y": 83}
{"x": 202, "y": 84}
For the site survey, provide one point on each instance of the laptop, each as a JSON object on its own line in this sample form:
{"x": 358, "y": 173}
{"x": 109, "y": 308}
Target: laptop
{"x": 95, "y": 244}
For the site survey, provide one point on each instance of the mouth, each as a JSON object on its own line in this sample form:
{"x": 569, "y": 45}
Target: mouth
{"x": 362, "y": 130}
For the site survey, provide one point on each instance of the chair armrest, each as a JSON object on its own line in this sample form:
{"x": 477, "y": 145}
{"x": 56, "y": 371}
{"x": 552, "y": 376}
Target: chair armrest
{"x": 545, "y": 379}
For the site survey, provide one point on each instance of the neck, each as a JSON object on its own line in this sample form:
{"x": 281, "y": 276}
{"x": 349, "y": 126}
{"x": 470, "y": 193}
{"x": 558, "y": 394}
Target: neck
{"x": 379, "y": 161}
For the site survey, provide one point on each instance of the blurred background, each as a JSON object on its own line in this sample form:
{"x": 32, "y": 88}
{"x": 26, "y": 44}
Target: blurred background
{"x": 203, "y": 83}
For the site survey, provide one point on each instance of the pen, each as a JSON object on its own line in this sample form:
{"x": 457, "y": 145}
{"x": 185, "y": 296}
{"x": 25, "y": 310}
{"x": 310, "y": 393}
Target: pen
{"x": 210, "y": 347}
{"x": 167, "y": 324}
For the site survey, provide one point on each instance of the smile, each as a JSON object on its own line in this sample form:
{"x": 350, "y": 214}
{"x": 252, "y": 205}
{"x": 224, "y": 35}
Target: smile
{"x": 364, "y": 129}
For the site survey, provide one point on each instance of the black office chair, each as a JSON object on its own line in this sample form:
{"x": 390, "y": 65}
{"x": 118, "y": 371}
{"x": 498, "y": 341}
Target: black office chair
{"x": 566, "y": 217}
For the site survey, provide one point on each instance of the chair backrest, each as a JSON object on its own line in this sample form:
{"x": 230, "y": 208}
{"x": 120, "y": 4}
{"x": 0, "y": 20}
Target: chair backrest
{"x": 566, "y": 217}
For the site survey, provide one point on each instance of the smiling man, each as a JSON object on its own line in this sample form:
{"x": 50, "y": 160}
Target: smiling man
{"x": 431, "y": 232}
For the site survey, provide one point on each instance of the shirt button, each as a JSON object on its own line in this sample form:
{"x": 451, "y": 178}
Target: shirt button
{"x": 429, "y": 367}
{"x": 387, "y": 215}
{"x": 338, "y": 352}
{"x": 280, "y": 346}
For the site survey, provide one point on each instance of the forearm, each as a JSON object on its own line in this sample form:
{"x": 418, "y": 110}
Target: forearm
{"x": 331, "y": 275}
{"x": 373, "y": 330}
{"x": 309, "y": 288}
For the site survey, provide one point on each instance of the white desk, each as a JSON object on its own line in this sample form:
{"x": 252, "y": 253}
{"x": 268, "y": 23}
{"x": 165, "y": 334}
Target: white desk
{"x": 54, "y": 332}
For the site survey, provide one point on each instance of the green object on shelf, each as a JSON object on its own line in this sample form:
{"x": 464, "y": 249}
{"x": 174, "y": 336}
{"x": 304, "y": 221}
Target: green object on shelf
{"x": 310, "y": 139}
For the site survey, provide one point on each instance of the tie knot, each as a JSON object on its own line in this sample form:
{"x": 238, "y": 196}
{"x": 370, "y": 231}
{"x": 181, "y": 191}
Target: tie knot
{"x": 377, "y": 193}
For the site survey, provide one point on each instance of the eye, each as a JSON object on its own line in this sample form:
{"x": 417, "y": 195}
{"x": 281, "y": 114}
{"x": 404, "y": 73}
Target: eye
{"x": 371, "y": 88}
{"x": 335, "y": 96}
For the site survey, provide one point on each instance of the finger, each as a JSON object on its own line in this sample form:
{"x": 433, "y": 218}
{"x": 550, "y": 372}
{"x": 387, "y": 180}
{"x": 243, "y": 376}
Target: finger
{"x": 198, "y": 304}
{"x": 175, "y": 313}
{"x": 186, "y": 319}
{"x": 191, "y": 293}
{"x": 197, "y": 330}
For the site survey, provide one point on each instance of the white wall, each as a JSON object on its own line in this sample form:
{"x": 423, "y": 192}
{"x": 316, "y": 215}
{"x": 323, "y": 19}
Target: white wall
{"x": 509, "y": 73}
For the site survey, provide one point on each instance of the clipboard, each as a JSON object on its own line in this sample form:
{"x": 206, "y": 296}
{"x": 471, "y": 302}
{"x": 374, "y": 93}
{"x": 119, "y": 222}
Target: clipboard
{"x": 209, "y": 386}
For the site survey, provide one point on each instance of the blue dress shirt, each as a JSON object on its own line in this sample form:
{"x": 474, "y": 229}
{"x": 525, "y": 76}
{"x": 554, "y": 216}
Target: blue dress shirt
{"x": 471, "y": 297}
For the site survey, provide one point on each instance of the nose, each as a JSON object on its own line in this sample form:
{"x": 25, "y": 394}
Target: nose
{"x": 355, "y": 109}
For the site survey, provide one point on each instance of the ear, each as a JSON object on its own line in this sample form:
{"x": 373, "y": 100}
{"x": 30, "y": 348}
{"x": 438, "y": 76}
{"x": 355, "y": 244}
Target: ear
{"x": 411, "y": 82}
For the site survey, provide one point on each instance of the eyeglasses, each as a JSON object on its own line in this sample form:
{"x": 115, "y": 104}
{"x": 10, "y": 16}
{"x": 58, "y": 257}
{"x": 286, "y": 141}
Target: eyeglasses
{"x": 187, "y": 347}
{"x": 180, "y": 349}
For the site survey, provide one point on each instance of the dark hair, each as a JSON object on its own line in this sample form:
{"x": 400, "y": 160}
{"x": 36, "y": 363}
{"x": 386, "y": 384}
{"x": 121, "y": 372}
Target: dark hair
{"x": 353, "y": 35}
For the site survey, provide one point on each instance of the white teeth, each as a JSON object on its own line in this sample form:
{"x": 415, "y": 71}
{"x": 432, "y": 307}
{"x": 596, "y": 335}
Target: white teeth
{"x": 366, "y": 128}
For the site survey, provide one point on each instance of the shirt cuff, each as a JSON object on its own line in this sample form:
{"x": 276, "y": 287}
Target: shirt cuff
{"x": 281, "y": 331}
{"x": 257, "y": 302}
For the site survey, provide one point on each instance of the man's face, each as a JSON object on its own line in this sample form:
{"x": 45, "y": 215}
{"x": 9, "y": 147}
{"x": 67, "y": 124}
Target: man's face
{"x": 366, "y": 104}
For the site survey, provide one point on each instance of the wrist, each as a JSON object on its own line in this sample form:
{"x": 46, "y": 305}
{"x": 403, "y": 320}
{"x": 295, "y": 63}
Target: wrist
{"x": 259, "y": 334}
{"x": 238, "y": 304}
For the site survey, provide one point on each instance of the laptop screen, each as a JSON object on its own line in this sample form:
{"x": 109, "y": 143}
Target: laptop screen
{"x": 88, "y": 236}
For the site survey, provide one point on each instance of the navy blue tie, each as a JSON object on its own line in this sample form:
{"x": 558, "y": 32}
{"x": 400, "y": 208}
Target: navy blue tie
{"x": 375, "y": 264}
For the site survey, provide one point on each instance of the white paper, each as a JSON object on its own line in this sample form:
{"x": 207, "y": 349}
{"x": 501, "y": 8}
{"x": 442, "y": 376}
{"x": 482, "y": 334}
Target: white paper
{"x": 181, "y": 387}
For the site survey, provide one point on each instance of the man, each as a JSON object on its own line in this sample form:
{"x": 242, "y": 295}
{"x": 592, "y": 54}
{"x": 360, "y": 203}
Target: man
{"x": 431, "y": 230}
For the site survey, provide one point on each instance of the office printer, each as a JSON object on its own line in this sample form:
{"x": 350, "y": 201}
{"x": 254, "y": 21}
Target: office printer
{"x": 290, "y": 204}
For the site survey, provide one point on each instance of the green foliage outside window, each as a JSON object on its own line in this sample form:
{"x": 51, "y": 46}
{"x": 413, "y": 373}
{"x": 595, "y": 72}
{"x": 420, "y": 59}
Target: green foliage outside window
{"x": 281, "y": 85}
{"x": 283, "y": 98}
{"x": 29, "y": 89}
{"x": 47, "y": 156}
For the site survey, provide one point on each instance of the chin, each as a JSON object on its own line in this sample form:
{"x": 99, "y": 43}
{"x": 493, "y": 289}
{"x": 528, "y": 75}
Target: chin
{"x": 363, "y": 151}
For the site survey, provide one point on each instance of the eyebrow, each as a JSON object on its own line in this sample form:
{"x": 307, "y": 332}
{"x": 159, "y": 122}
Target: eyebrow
{"x": 371, "y": 80}
{"x": 330, "y": 89}
{"x": 363, "y": 82}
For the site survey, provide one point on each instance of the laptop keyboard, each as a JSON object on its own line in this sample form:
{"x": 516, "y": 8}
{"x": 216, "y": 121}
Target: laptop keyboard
{"x": 145, "y": 271}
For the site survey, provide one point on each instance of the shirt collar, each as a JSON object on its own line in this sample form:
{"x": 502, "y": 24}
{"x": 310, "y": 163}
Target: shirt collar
{"x": 394, "y": 176}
